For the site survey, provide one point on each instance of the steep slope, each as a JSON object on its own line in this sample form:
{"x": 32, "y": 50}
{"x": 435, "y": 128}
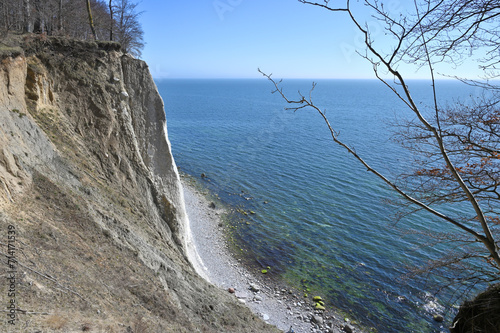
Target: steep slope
{"x": 89, "y": 189}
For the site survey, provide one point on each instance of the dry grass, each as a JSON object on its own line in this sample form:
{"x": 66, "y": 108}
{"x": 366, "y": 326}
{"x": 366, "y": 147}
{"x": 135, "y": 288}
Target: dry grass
{"x": 56, "y": 322}
{"x": 86, "y": 327}
{"x": 140, "y": 326}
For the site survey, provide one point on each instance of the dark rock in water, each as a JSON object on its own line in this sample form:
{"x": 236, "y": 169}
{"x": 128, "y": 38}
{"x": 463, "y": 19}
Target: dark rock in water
{"x": 439, "y": 318}
{"x": 203, "y": 175}
{"x": 212, "y": 205}
{"x": 482, "y": 314}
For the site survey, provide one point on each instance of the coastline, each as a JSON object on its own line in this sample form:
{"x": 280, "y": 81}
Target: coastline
{"x": 274, "y": 302}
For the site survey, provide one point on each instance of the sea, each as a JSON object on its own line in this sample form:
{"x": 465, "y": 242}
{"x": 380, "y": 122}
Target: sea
{"x": 308, "y": 212}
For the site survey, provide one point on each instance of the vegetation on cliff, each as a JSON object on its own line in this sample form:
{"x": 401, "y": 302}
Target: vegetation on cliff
{"x": 113, "y": 20}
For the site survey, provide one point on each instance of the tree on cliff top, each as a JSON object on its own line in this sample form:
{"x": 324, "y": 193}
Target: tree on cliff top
{"x": 71, "y": 18}
{"x": 128, "y": 31}
{"x": 457, "y": 147}
{"x": 91, "y": 20}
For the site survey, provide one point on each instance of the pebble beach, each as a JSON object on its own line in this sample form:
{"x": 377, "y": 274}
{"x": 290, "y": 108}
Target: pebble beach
{"x": 274, "y": 302}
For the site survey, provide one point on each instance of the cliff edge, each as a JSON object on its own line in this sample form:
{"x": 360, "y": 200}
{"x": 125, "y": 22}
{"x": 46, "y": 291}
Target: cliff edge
{"x": 92, "y": 219}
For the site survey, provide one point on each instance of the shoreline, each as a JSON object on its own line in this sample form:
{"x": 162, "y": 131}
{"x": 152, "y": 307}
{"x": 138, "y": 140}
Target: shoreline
{"x": 274, "y": 302}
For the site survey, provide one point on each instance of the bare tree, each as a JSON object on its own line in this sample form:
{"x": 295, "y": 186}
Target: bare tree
{"x": 12, "y": 15}
{"x": 91, "y": 21}
{"x": 111, "y": 21}
{"x": 117, "y": 19}
{"x": 60, "y": 16}
{"x": 458, "y": 146}
{"x": 28, "y": 25}
{"x": 129, "y": 32}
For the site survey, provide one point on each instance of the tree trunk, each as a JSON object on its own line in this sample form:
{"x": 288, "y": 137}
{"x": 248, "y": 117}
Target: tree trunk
{"x": 6, "y": 16}
{"x": 60, "y": 20}
{"x": 111, "y": 20}
{"x": 38, "y": 22}
{"x": 91, "y": 21}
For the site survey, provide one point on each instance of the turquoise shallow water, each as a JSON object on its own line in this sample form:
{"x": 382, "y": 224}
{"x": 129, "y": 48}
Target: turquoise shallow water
{"x": 320, "y": 219}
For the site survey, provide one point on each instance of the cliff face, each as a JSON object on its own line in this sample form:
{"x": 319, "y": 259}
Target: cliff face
{"x": 89, "y": 187}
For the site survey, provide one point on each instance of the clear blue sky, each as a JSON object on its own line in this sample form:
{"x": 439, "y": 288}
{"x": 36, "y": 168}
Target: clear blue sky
{"x": 232, "y": 38}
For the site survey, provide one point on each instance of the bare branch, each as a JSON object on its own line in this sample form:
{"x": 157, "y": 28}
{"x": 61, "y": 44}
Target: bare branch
{"x": 303, "y": 103}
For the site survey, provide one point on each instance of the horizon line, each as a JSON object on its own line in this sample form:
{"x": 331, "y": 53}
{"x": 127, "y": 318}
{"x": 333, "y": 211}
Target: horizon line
{"x": 294, "y": 78}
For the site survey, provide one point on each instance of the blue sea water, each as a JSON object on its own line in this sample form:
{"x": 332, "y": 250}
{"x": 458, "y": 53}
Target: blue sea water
{"x": 321, "y": 220}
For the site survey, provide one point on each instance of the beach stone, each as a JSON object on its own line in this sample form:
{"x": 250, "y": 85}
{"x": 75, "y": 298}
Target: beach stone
{"x": 240, "y": 294}
{"x": 348, "y": 329}
{"x": 231, "y": 290}
{"x": 123, "y": 95}
{"x": 319, "y": 307}
{"x": 317, "y": 298}
{"x": 212, "y": 205}
{"x": 255, "y": 288}
{"x": 257, "y": 298}
{"x": 265, "y": 317}
{"x": 317, "y": 320}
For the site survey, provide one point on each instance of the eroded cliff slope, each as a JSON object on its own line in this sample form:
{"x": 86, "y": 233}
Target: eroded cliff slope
{"x": 91, "y": 191}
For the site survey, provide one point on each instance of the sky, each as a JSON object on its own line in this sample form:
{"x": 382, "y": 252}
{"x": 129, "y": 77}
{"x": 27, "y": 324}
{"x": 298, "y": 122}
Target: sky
{"x": 232, "y": 38}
